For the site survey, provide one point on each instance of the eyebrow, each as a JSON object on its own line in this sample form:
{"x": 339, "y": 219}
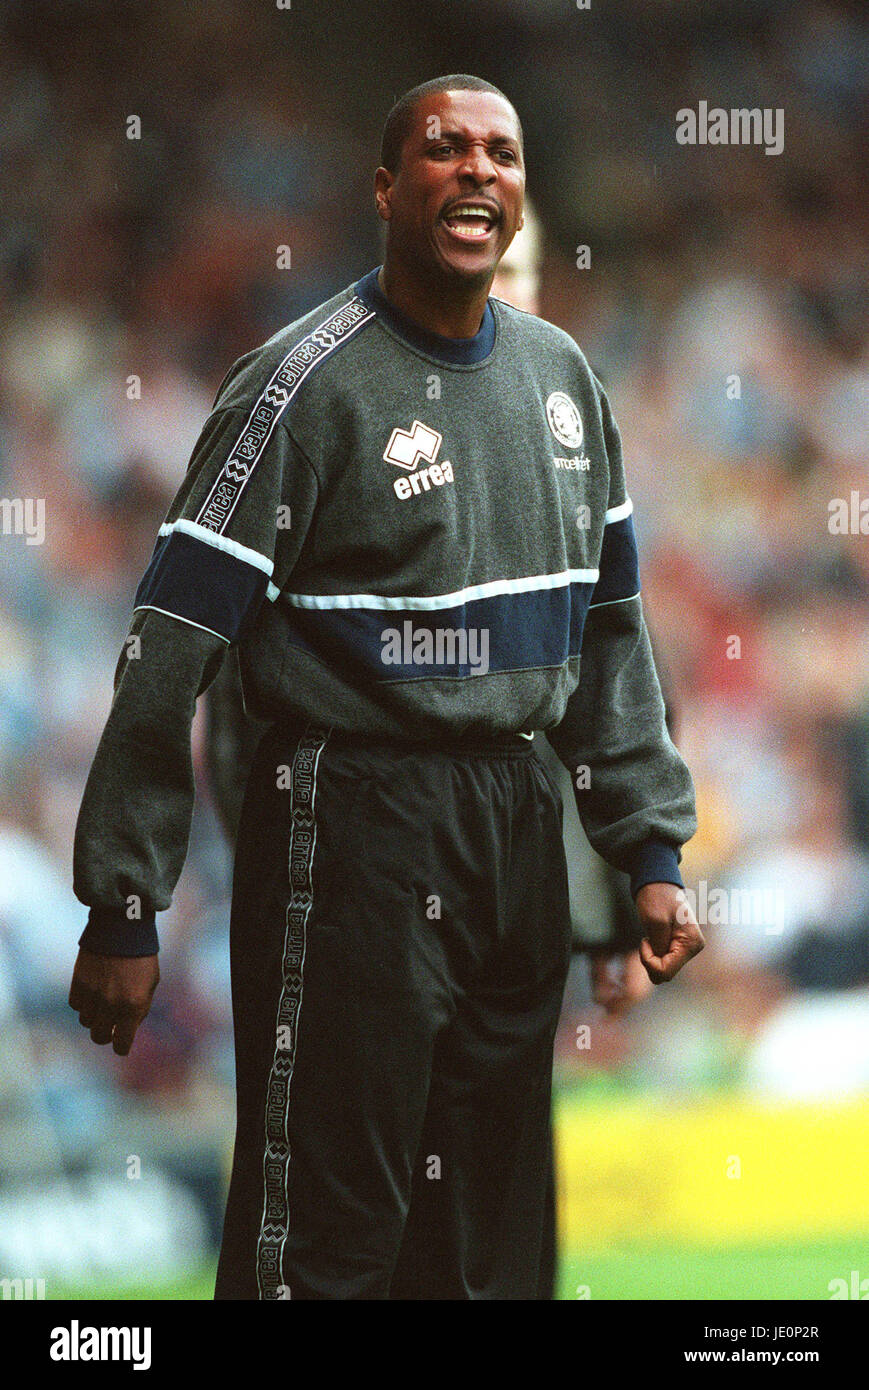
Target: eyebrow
{"x": 460, "y": 138}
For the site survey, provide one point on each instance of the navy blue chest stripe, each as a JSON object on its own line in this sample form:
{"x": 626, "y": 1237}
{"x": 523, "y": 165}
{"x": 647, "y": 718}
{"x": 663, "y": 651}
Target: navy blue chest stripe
{"x": 540, "y": 627}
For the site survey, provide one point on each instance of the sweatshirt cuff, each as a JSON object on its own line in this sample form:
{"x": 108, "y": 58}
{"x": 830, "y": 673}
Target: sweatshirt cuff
{"x": 656, "y": 861}
{"x": 110, "y": 932}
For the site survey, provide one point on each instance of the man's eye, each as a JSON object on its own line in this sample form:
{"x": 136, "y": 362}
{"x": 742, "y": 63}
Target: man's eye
{"x": 443, "y": 149}
{"x": 509, "y": 155}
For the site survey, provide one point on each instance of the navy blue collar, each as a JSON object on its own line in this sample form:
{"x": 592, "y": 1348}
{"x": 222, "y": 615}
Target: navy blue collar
{"x": 454, "y": 351}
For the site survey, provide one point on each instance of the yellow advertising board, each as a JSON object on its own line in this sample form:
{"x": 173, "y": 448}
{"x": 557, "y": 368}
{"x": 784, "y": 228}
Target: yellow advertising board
{"x": 712, "y": 1172}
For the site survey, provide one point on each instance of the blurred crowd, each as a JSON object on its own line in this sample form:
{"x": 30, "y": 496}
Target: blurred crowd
{"x": 154, "y": 159}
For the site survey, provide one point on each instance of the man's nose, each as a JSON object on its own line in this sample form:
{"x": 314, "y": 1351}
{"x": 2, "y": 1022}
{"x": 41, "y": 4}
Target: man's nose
{"x": 477, "y": 165}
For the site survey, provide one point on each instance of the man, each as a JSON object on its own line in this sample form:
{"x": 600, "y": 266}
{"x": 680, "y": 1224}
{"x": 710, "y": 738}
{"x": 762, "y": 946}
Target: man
{"x": 408, "y": 511}
{"x": 602, "y": 911}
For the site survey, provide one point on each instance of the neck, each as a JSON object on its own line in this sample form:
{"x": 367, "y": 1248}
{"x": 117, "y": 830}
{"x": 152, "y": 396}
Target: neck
{"x": 453, "y": 311}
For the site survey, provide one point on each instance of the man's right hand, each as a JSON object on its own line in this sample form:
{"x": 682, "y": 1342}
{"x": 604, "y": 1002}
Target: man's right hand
{"x": 617, "y": 979}
{"x": 112, "y": 994}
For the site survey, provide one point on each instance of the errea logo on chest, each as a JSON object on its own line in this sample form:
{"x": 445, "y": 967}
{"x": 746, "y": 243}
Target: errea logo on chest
{"x": 409, "y": 448}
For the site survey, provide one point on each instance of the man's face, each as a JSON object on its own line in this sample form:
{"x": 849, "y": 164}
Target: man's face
{"x": 455, "y": 201}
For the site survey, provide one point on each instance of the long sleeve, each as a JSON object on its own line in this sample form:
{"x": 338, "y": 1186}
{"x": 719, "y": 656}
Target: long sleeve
{"x": 235, "y": 527}
{"x": 633, "y": 791}
{"x": 231, "y": 744}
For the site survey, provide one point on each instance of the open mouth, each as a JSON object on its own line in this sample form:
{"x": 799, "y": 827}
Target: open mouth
{"x": 470, "y": 222}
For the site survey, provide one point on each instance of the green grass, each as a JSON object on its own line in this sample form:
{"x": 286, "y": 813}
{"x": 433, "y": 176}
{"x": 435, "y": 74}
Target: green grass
{"x": 791, "y": 1271}
{"x": 195, "y": 1286}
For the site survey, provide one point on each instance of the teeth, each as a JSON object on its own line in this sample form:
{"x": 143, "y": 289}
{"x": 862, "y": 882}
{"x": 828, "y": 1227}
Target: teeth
{"x": 481, "y": 217}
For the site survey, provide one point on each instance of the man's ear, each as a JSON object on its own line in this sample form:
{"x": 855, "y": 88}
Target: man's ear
{"x": 383, "y": 182}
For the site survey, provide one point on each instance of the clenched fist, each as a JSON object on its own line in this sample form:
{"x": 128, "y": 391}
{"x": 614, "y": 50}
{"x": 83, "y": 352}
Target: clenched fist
{"x": 673, "y": 935}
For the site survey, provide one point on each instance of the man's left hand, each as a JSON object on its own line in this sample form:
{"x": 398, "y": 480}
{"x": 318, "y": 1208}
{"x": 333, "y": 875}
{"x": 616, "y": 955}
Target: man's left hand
{"x": 673, "y": 935}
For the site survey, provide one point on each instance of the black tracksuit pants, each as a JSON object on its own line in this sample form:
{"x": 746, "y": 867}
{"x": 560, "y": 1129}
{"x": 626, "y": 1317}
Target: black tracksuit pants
{"x": 400, "y": 940}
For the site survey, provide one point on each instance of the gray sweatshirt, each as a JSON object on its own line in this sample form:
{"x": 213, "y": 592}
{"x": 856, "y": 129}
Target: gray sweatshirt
{"x": 406, "y": 536}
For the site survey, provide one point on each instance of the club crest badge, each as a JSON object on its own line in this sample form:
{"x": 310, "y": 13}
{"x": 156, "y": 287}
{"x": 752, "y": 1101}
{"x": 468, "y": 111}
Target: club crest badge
{"x": 564, "y": 419}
